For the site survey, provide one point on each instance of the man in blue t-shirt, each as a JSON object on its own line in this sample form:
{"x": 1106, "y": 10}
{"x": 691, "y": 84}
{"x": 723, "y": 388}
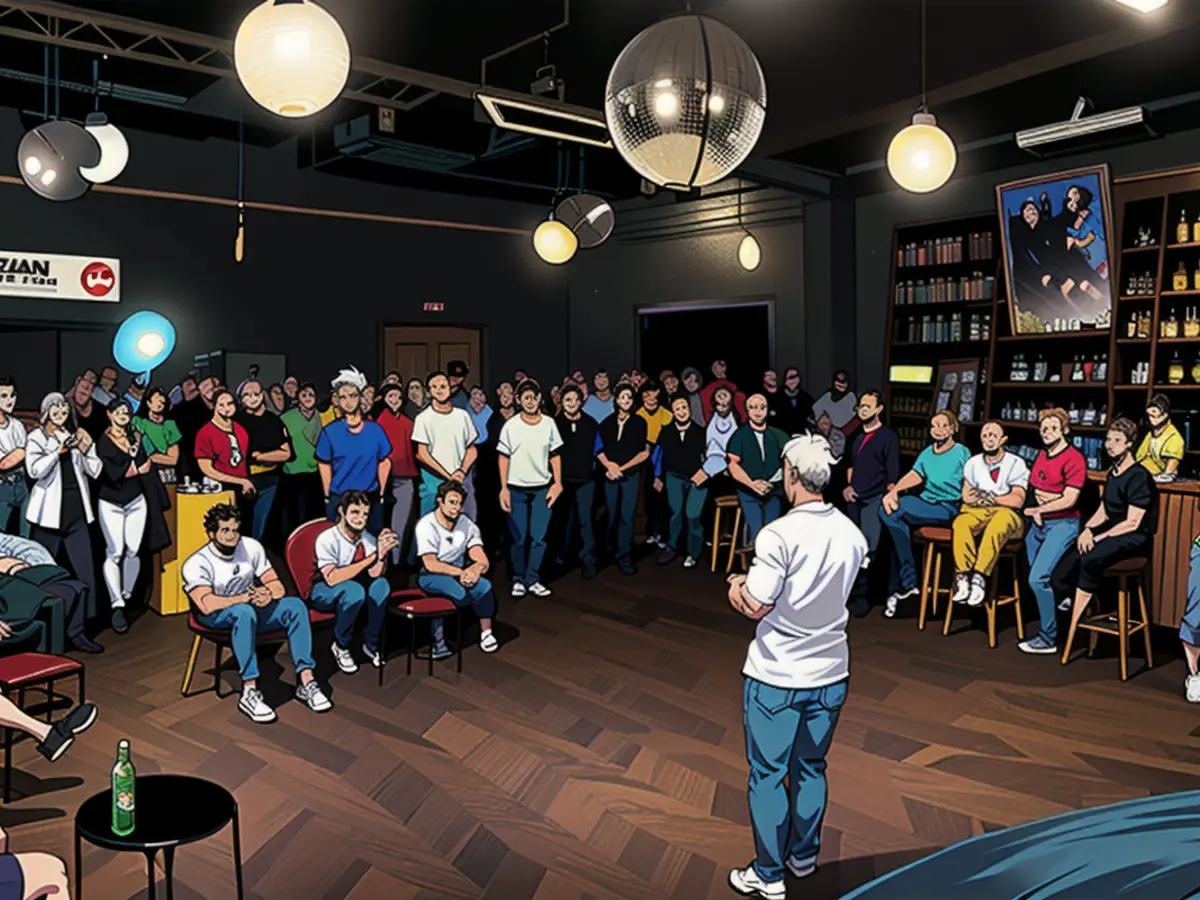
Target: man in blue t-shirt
{"x": 353, "y": 454}
{"x": 938, "y": 472}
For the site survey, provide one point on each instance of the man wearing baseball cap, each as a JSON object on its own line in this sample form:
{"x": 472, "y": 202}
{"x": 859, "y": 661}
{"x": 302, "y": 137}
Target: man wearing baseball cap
{"x": 457, "y": 371}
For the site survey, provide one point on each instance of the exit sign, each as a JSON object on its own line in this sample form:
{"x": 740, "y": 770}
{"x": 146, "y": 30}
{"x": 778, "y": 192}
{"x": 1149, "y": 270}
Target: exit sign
{"x": 435, "y": 307}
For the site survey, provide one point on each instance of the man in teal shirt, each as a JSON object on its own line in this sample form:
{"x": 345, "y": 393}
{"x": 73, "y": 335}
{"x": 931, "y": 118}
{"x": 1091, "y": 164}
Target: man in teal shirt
{"x": 938, "y": 472}
{"x": 754, "y": 454}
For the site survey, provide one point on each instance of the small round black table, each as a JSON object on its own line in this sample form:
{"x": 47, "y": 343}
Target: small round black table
{"x": 171, "y": 810}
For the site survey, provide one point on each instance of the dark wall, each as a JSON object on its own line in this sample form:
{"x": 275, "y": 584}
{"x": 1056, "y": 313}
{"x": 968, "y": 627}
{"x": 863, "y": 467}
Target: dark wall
{"x": 879, "y": 214}
{"x": 315, "y": 288}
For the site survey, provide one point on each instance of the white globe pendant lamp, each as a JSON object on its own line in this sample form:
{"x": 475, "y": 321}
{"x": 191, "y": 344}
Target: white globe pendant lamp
{"x": 749, "y": 252}
{"x": 292, "y": 57}
{"x": 922, "y": 157}
{"x": 114, "y": 149}
{"x": 554, "y": 242}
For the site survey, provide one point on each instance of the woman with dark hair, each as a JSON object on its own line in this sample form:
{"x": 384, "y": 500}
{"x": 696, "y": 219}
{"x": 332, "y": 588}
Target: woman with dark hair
{"x": 399, "y": 429}
{"x": 416, "y": 400}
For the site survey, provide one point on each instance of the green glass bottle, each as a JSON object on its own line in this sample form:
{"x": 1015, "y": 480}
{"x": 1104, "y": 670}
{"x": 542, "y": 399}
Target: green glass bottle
{"x": 123, "y": 780}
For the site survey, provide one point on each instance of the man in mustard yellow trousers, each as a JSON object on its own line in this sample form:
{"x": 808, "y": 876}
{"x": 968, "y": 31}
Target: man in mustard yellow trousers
{"x": 993, "y": 493}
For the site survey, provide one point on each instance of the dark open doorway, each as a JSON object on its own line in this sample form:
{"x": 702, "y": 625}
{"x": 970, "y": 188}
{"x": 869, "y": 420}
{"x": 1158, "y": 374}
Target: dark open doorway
{"x": 677, "y": 337}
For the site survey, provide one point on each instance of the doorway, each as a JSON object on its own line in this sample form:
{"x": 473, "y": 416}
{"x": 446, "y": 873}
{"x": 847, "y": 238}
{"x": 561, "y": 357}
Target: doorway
{"x": 415, "y": 351}
{"x": 676, "y": 337}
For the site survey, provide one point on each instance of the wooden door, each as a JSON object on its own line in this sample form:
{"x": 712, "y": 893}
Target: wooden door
{"x": 416, "y": 351}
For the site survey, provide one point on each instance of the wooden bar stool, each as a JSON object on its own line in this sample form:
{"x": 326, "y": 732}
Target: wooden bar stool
{"x": 1119, "y": 624}
{"x": 937, "y": 544}
{"x": 718, "y": 541}
{"x": 1011, "y": 554}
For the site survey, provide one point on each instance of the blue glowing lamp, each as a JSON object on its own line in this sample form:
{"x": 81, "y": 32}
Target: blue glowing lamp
{"x": 143, "y": 342}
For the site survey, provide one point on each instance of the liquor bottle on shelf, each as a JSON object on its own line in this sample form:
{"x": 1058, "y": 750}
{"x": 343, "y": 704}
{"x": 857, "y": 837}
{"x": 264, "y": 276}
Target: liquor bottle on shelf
{"x": 1191, "y": 325}
{"x": 1040, "y": 368}
{"x": 1102, "y": 416}
{"x": 1196, "y": 370}
{"x": 1089, "y": 366}
{"x": 1196, "y": 231}
{"x": 1182, "y": 231}
{"x": 1196, "y": 276}
{"x": 1179, "y": 281}
{"x": 1077, "y": 369}
{"x": 1143, "y": 328}
{"x": 1089, "y": 414}
{"x": 1131, "y": 285}
{"x": 1131, "y": 328}
{"x": 1175, "y": 370}
{"x": 1073, "y": 415}
{"x": 956, "y": 329}
{"x": 1100, "y": 370}
{"x": 124, "y": 780}
{"x": 985, "y": 324}
{"x": 1170, "y": 328}
{"x": 1031, "y": 413}
{"x": 1006, "y": 411}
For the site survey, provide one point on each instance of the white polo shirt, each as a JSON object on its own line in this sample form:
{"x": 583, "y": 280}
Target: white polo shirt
{"x": 805, "y": 564}
{"x": 997, "y": 479}
{"x": 528, "y": 448}
{"x": 448, "y": 545}
{"x": 12, "y": 436}
{"x": 447, "y": 435}
{"x": 333, "y": 548}
{"x": 228, "y": 576}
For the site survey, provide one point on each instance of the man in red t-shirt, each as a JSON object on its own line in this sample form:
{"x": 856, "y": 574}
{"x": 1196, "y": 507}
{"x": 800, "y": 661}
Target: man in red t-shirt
{"x": 222, "y": 445}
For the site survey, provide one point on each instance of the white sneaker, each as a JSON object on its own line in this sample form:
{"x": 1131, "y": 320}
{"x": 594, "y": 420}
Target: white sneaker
{"x": 374, "y": 658}
{"x": 255, "y": 707}
{"x": 518, "y": 590}
{"x": 689, "y": 562}
{"x": 962, "y": 587}
{"x": 1065, "y": 605}
{"x": 539, "y": 590}
{"x": 978, "y": 590}
{"x": 488, "y": 642}
{"x": 653, "y": 541}
{"x": 894, "y": 601}
{"x": 1192, "y": 686}
{"x": 747, "y": 883}
{"x": 344, "y": 660}
{"x": 312, "y": 696}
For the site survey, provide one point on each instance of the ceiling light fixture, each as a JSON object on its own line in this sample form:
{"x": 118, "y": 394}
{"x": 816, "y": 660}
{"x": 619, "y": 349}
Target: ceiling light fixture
{"x": 749, "y": 250}
{"x": 685, "y": 102}
{"x": 292, "y": 57}
{"x": 544, "y": 117}
{"x": 1144, "y": 6}
{"x": 51, "y": 158}
{"x": 922, "y": 157}
{"x": 589, "y": 218}
{"x": 554, "y": 242}
{"x": 114, "y": 149}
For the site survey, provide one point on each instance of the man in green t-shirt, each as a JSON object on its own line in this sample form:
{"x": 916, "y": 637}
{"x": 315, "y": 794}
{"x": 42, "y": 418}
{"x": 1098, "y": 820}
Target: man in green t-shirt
{"x": 161, "y": 435}
{"x": 301, "y": 485}
{"x": 754, "y": 454}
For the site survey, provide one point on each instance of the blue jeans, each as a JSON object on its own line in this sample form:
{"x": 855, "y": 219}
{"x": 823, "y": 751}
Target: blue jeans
{"x": 759, "y": 511}
{"x": 788, "y": 734}
{"x": 621, "y": 499}
{"x": 1189, "y": 628}
{"x": 1044, "y": 547}
{"x": 245, "y": 622}
{"x": 865, "y": 514}
{"x": 579, "y": 498}
{"x": 528, "y": 523}
{"x": 687, "y": 506}
{"x": 913, "y": 512}
{"x": 14, "y": 495}
{"x": 479, "y": 596}
{"x": 374, "y": 518}
{"x": 264, "y": 498}
{"x": 346, "y": 600}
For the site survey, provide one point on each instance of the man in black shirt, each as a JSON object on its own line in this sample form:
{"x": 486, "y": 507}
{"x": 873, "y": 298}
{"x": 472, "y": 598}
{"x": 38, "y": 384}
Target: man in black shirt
{"x": 794, "y": 404}
{"x": 623, "y": 449}
{"x": 578, "y": 455}
{"x": 1122, "y": 528}
{"x": 269, "y": 448}
{"x": 89, "y": 415}
{"x": 679, "y": 467}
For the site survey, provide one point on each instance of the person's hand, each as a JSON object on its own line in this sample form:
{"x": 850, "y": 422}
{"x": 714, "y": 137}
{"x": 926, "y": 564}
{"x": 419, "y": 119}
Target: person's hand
{"x": 470, "y": 575}
{"x": 891, "y": 502}
{"x": 259, "y": 596}
{"x": 145, "y": 469}
{"x": 849, "y": 494}
{"x": 388, "y": 541}
{"x": 658, "y": 484}
{"x": 247, "y": 487}
{"x": 8, "y": 565}
{"x": 506, "y": 500}
{"x": 1035, "y": 513}
{"x": 1086, "y": 543}
{"x": 84, "y": 441}
{"x": 699, "y": 478}
{"x": 761, "y": 487}
{"x": 255, "y": 456}
{"x": 553, "y": 494}
{"x": 736, "y": 579}
{"x": 458, "y": 475}
{"x": 613, "y": 471}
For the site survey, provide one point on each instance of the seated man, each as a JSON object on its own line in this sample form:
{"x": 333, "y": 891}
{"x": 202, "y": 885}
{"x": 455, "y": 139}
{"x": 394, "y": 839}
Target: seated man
{"x": 1161, "y": 450}
{"x": 31, "y": 876}
{"x": 54, "y": 739}
{"x": 1189, "y": 628}
{"x": 29, "y": 578}
{"x": 445, "y": 540}
{"x": 993, "y": 494}
{"x": 938, "y": 472}
{"x": 351, "y": 566}
{"x": 754, "y": 462}
{"x": 234, "y": 588}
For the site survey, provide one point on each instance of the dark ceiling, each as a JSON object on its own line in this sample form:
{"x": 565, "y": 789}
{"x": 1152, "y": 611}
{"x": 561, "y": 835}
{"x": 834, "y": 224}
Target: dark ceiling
{"x": 842, "y": 75}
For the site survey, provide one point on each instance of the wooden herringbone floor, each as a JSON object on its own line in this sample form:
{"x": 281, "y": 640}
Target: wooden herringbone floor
{"x": 599, "y": 754}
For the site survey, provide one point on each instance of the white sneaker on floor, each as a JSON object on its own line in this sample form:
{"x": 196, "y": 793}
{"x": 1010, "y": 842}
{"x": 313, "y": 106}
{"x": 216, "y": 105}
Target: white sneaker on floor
{"x": 518, "y": 590}
{"x": 255, "y": 707}
{"x": 801, "y": 868}
{"x": 747, "y": 883}
{"x": 313, "y": 697}
{"x": 344, "y": 660}
{"x": 373, "y": 657}
{"x": 653, "y": 541}
{"x": 539, "y": 590}
{"x": 978, "y": 590}
{"x": 962, "y": 588}
{"x": 1191, "y": 686}
{"x": 1065, "y": 605}
{"x": 894, "y": 601}
{"x": 488, "y": 642}
{"x": 689, "y": 562}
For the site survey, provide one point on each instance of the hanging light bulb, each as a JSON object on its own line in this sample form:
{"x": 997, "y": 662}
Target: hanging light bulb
{"x": 292, "y": 57}
{"x": 114, "y": 149}
{"x": 554, "y": 242}
{"x": 749, "y": 253}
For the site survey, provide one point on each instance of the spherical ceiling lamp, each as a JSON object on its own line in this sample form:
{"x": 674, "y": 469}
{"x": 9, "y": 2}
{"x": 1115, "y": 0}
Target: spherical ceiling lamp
{"x": 921, "y": 158}
{"x": 685, "y": 102}
{"x": 50, "y": 158}
{"x": 292, "y": 57}
{"x": 114, "y": 149}
{"x": 143, "y": 343}
{"x": 749, "y": 253}
{"x": 554, "y": 242}
{"x": 590, "y": 218}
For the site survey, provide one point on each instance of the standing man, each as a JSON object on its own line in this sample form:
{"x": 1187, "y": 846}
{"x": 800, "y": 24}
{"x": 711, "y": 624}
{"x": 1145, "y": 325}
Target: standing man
{"x": 221, "y": 448}
{"x": 445, "y": 437}
{"x": 269, "y": 448}
{"x": 692, "y": 383}
{"x": 657, "y": 417}
{"x": 600, "y": 405}
{"x": 755, "y": 453}
{"x": 352, "y": 453}
{"x": 14, "y": 489}
{"x": 795, "y": 405}
{"x": 680, "y": 462}
{"x": 300, "y": 489}
{"x": 722, "y": 426}
{"x": 530, "y": 483}
{"x": 578, "y": 454}
{"x": 838, "y": 403}
{"x": 797, "y": 670}
{"x": 457, "y": 372}
{"x": 874, "y": 470}
{"x": 623, "y": 449}
{"x": 771, "y": 392}
{"x": 993, "y": 494}
{"x": 938, "y": 472}
{"x": 89, "y": 415}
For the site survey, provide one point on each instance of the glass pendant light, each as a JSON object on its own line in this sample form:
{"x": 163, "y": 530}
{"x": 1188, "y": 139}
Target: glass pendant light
{"x": 749, "y": 250}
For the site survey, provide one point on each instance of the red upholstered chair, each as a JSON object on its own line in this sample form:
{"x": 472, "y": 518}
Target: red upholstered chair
{"x": 38, "y": 672}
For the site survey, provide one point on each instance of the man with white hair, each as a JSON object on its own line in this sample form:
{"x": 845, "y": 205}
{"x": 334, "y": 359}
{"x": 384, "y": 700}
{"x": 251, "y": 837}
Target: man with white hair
{"x": 353, "y": 454}
{"x": 798, "y": 668}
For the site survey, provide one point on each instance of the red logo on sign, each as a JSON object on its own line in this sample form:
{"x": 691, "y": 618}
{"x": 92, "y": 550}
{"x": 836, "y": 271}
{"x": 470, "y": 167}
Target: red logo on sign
{"x": 98, "y": 279}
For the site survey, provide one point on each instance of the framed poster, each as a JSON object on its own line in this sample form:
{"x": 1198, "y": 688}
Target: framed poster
{"x": 1056, "y": 232}
{"x": 957, "y": 389}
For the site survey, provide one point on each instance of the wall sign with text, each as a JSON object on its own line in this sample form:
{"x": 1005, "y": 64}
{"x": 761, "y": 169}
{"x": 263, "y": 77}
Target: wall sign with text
{"x": 52, "y": 276}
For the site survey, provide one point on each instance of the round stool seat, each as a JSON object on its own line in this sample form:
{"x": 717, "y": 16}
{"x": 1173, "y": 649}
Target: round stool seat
{"x": 728, "y": 501}
{"x": 1127, "y": 566}
{"x": 934, "y": 534}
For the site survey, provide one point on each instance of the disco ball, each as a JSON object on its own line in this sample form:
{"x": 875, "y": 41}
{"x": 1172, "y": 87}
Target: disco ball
{"x": 685, "y": 102}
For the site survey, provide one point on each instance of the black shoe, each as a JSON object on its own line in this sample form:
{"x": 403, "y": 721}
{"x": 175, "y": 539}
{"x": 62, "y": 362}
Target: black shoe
{"x": 666, "y": 557}
{"x": 860, "y": 609}
{"x": 589, "y": 572}
{"x": 625, "y": 564}
{"x": 84, "y": 644}
{"x": 120, "y": 624}
{"x": 62, "y": 733}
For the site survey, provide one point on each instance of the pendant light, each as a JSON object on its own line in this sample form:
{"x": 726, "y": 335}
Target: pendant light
{"x": 114, "y": 149}
{"x": 749, "y": 250}
{"x": 922, "y": 157}
{"x": 554, "y": 242}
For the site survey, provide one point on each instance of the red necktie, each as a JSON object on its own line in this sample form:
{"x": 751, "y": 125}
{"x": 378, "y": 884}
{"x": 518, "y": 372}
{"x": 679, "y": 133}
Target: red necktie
{"x": 996, "y": 475}
{"x": 359, "y": 553}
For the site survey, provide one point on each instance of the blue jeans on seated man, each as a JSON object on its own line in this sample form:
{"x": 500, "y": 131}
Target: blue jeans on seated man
{"x": 1044, "y": 547}
{"x": 913, "y": 512}
{"x": 346, "y": 601}
{"x": 479, "y": 597}
{"x": 245, "y": 623}
{"x": 788, "y": 734}
{"x": 1189, "y": 628}
{"x": 528, "y": 523}
{"x": 758, "y": 512}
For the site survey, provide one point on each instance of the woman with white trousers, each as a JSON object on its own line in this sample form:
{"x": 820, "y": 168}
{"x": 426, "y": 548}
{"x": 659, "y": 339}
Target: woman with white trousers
{"x": 122, "y": 506}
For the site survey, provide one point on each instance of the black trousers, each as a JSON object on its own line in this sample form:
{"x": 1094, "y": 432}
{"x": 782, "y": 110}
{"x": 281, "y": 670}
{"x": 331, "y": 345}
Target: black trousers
{"x": 76, "y": 540}
{"x": 72, "y": 593}
{"x": 1086, "y": 572}
{"x": 299, "y": 500}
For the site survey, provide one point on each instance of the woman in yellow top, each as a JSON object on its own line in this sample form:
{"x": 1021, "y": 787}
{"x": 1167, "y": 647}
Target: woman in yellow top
{"x": 1161, "y": 449}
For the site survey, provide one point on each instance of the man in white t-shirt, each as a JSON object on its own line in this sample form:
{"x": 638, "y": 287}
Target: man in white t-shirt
{"x": 530, "y": 483}
{"x": 993, "y": 495}
{"x": 233, "y": 588}
{"x": 14, "y": 488}
{"x": 350, "y": 570}
{"x": 798, "y": 668}
{"x": 453, "y": 564}
{"x": 445, "y": 437}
